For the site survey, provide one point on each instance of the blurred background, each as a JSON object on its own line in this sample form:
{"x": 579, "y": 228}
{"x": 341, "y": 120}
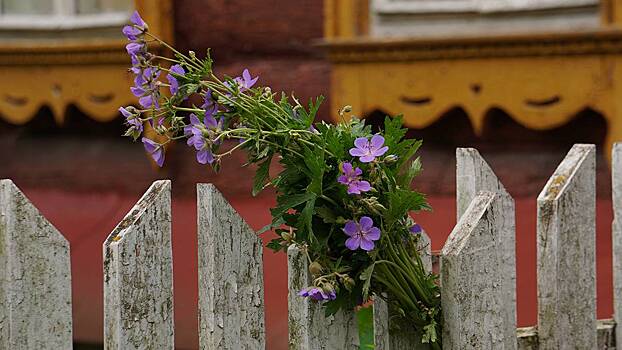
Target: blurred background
{"x": 520, "y": 80}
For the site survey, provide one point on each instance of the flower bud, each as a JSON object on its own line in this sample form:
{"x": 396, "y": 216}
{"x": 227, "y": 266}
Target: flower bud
{"x": 391, "y": 158}
{"x": 287, "y": 236}
{"x": 328, "y": 288}
{"x": 315, "y": 268}
{"x": 348, "y": 282}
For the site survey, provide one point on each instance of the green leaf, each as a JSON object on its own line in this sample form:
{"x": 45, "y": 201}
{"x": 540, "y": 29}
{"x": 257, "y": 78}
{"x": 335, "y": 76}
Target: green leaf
{"x": 366, "y": 277}
{"x": 327, "y": 214}
{"x": 262, "y": 175}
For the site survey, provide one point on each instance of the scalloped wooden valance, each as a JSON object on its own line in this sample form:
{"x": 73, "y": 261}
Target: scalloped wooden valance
{"x": 541, "y": 79}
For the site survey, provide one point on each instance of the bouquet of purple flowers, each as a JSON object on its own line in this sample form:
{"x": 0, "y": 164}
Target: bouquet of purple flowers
{"x": 344, "y": 193}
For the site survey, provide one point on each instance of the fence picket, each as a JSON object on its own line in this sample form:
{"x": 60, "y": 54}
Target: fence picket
{"x": 231, "y": 300}
{"x": 477, "y": 290}
{"x": 616, "y": 235}
{"x": 308, "y": 328}
{"x": 566, "y": 254}
{"x": 138, "y": 275}
{"x": 35, "y": 277}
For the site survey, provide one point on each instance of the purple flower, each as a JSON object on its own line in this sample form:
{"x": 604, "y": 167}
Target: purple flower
{"x": 137, "y": 20}
{"x": 317, "y": 294}
{"x": 131, "y": 32}
{"x": 136, "y": 29}
{"x": 209, "y": 105}
{"x": 246, "y": 81}
{"x": 362, "y": 234}
{"x": 174, "y": 84}
{"x": 352, "y": 178}
{"x": 134, "y": 48}
{"x": 368, "y": 151}
{"x": 132, "y": 120}
{"x": 415, "y": 229}
{"x": 155, "y": 150}
{"x": 201, "y": 136}
{"x": 146, "y": 88}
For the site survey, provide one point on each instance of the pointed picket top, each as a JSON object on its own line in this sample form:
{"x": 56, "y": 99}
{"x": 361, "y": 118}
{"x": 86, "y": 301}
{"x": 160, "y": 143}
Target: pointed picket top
{"x": 309, "y": 329}
{"x": 138, "y": 275}
{"x": 473, "y": 175}
{"x": 35, "y": 277}
{"x": 231, "y": 297}
{"x": 476, "y": 278}
{"x": 616, "y": 235}
{"x": 566, "y": 254}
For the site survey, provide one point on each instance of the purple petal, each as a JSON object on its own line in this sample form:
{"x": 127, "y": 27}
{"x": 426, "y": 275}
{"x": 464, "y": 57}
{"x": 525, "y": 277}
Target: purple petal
{"x": 205, "y": 156}
{"x": 361, "y": 142}
{"x": 133, "y": 48}
{"x": 177, "y": 69}
{"x": 150, "y": 146}
{"x": 246, "y": 75}
{"x": 125, "y": 112}
{"x": 146, "y": 101}
{"x": 377, "y": 141}
{"x": 353, "y": 243}
{"x": 174, "y": 85}
{"x": 136, "y": 91}
{"x": 357, "y": 152}
{"x": 343, "y": 180}
{"x": 373, "y": 234}
{"x": 194, "y": 120}
{"x": 137, "y": 20}
{"x": 131, "y": 32}
{"x": 351, "y": 228}
{"x": 252, "y": 82}
{"x": 358, "y": 172}
{"x": 367, "y": 158}
{"x": 380, "y": 151}
{"x": 366, "y": 245}
{"x": 366, "y": 223}
{"x": 304, "y": 292}
{"x": 158, "y": 156}
{"x": 210, "y": 121}
{"x": 347, "y": 168}
{"x": 353, "y": 188}
{"x": 363, "y": 186}
{"x": 415, "y": 229}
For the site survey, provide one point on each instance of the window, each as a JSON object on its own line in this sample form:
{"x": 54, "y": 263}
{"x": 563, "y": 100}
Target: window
{"x": 481, "y": 6}
{"x": 40, "y": 19}
{"x": 390, "y": 18}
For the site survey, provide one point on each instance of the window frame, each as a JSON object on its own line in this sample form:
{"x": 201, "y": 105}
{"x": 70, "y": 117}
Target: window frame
{"x": 394, "y": 7}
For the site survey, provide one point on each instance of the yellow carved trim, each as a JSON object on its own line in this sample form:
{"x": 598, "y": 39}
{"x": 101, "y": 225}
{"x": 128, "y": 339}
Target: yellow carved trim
{"x": 606, "y": 41}
{"x": 90, "y": 74}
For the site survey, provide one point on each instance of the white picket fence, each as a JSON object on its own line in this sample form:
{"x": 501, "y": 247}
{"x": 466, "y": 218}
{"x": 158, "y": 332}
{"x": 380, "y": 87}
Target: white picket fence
{"x": 478, "y": 273}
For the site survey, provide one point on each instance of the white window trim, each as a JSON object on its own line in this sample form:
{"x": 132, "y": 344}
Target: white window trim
{"x": 63, "y": 18}
{"x": 62, "y": 22}
{"x": 390, "y": 7}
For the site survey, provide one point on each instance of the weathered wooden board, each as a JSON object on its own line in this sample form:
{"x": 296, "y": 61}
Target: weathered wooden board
{"x": 35, "y": 277}
{"x": 616, "y": 236}
{"x": 477, "y": 288}
{"x": 138, "y": 276}
{"x": 231, "y": 297}
{"x": 309, "y": 329}
{"x": 566, "y": 254}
